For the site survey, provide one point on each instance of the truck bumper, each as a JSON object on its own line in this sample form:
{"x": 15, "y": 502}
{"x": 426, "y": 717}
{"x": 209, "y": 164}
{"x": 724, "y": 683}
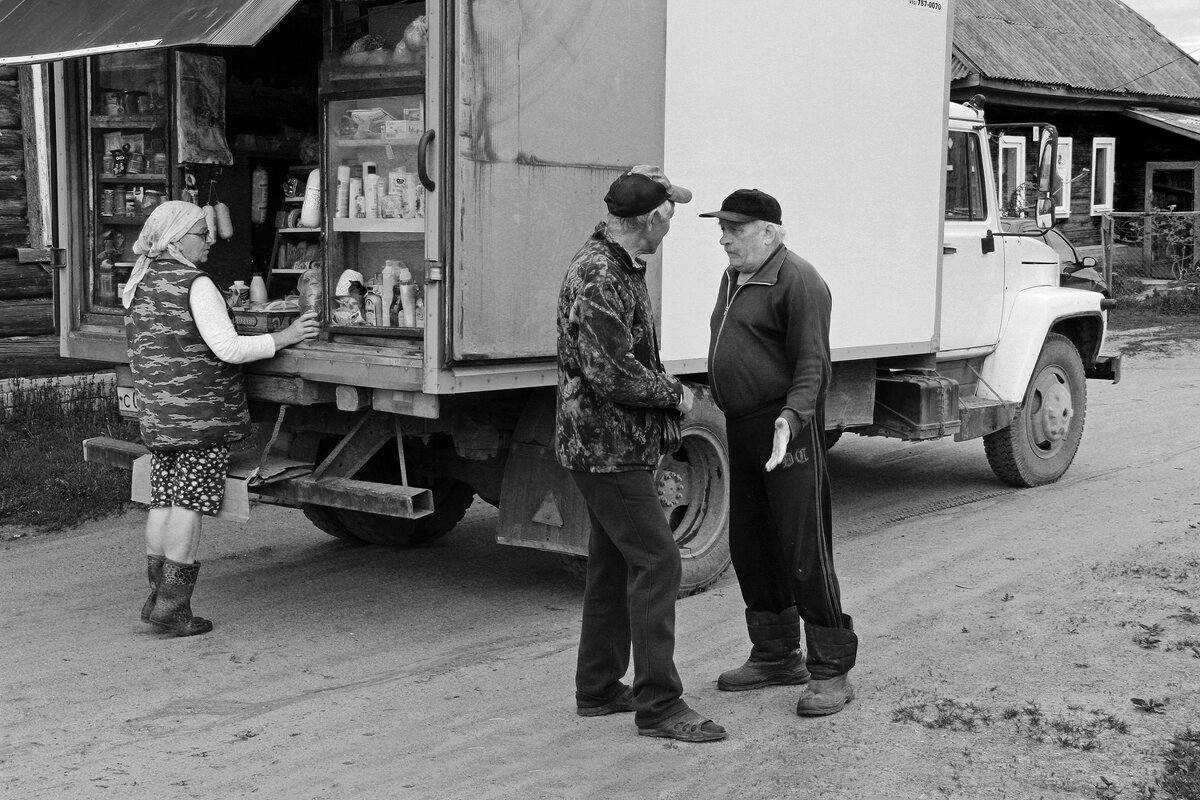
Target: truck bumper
{"x": 1106, "y": 368}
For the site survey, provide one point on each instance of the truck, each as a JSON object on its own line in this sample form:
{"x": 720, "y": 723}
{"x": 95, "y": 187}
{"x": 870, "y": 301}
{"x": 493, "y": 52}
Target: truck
{"x": 512, "y": 117}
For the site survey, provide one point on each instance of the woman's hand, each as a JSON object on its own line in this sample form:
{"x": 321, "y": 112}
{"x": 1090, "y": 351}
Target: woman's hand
{"x": 305, "y": 327}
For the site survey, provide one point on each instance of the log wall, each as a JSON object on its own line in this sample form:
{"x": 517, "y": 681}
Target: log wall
{"x": 26, "y": 290}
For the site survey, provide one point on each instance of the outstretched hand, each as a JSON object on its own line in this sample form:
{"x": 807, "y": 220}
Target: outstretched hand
{"x": 783, "y": 435}
{"x": 303, "y": 328}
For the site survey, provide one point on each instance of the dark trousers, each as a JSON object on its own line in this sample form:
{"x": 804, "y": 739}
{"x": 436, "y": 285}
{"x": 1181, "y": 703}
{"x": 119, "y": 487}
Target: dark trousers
{"x": 781, "y": 522}
{"x": 633, "y": 575}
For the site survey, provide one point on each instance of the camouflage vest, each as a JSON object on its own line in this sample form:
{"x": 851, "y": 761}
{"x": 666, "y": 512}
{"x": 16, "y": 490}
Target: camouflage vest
{"x": 188, "y": 398}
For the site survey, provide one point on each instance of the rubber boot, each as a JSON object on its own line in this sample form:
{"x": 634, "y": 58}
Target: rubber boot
{"x": 775, "y": 659}
{"x": 831, "y": 656}
{"x": 173, "y": 607}
{"x": 154, "y": 569}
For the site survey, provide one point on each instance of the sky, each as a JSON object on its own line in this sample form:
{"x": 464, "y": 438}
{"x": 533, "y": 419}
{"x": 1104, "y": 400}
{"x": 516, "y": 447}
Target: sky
{"x": 1178, "y": 20}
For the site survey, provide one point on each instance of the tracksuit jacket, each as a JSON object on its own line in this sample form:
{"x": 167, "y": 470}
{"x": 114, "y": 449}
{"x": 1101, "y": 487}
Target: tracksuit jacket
{"x": 770, "y": 341}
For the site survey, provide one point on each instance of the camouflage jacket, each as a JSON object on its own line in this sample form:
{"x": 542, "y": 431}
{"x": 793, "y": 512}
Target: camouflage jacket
{"x": 188, "y": 398}
{"x": 615, "y": 403}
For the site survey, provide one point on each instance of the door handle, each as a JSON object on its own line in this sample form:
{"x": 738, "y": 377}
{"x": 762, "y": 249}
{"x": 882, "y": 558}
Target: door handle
{"x": 422, "y": 167}
{"x": 947, "y": 250}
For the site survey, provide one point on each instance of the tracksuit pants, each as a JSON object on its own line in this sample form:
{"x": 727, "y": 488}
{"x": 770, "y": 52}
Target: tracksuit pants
{"x": 781, "y": 535}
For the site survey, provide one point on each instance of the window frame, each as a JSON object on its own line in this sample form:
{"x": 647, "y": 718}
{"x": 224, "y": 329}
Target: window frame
{"x": 1066, "y": 151}
{"x": 975, "y": 184}
{"x": 1011, "y": 142}
{"x": 1107, "y": 145}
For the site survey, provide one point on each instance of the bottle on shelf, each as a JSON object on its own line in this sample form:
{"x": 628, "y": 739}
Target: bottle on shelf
{"x": 239, "y": 294}
{"x": 106, "y": 286}
{"x": 373, "y": 307}
{"x": 343, "y": 192}
{"x": 407, "y": 291}
{"x": 310, "y": 211}
{"x": 387, "y": 288}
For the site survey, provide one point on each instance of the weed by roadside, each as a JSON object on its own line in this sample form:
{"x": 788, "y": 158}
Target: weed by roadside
{"x": 1179, "y": 778}
{"x": 45, "y": 485}
{"x": 1077, "y": 730}
{"x": 1158, "y": 329}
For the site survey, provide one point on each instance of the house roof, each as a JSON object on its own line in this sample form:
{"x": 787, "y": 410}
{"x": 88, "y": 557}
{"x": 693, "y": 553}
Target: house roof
{"x": 1090, "y": 45}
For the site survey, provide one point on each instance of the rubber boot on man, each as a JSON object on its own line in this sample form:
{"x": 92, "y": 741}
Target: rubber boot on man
{"x": 775, "y": 657}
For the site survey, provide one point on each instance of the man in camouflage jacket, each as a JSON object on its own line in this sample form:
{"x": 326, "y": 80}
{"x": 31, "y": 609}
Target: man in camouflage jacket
{"x": 618, "y": 411}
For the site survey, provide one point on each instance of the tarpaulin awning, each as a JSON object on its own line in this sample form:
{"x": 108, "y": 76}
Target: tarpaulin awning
{"x": 49, "y": 30}
{"x": 1184, "y": 124}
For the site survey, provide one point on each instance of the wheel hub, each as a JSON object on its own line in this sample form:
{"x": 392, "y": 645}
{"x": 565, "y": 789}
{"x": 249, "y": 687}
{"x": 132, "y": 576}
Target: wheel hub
{"x": 1053, "y": 410}
{"x": 671, "y": 488}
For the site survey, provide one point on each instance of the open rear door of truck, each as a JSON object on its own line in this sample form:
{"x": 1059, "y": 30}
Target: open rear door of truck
{"x": 553, "y": 100}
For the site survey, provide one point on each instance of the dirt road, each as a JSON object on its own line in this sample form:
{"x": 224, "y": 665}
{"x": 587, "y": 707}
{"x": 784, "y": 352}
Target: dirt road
{"x": 1003, "y": 634}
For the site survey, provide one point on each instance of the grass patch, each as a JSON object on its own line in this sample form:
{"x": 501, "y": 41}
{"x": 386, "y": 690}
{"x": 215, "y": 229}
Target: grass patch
{"x": 44, "y": 482}
{"x": 1169, "y": 324}
{"x": 1076, "y": 731}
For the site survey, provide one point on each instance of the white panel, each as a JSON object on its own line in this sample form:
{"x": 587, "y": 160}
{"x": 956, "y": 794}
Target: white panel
{"x": 839, "y": 111}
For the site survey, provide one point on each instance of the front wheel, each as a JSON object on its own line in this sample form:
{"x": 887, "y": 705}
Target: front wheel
{"x": 1040, "y": 444}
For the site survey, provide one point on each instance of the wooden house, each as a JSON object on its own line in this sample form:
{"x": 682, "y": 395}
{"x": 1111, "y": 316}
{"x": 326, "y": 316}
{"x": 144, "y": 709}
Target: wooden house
{"x": 26, "y": 284}
{"x": 1124, "y": 98}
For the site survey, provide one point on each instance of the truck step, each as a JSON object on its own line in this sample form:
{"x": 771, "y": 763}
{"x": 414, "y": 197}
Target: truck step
{"x": 113, "y": 452}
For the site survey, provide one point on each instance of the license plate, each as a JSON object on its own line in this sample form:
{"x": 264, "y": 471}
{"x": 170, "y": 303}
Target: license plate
{"x": 127, "y": 401}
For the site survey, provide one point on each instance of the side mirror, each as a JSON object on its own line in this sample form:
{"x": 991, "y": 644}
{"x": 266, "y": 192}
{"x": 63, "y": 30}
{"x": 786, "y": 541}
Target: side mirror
{"x": 1088, "y": 261}
{"x": 1048, "y": 182}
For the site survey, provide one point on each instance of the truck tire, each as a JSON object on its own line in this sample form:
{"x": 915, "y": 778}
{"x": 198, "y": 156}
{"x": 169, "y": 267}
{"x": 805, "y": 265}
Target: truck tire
{"x": 1040, "y": 443}
{"x": 451, "y": 499}
{"x": 693, "y": 488}
{"x": 326, "y": 519}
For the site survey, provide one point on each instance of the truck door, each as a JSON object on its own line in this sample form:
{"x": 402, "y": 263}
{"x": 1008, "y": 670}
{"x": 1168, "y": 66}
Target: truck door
{"x": 551, "y": 101}
{"x": 972, "y": 298}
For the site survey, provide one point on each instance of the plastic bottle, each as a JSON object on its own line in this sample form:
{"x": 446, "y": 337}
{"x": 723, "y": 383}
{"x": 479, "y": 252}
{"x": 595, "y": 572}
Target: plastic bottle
{"x": 387, "y": 287}
{"x": 407, "y": 290}
{"x": 106, "y": 287}
{"x": 395, "y": 311}
{"x": 258, "y": 289}
{"x": 343, "y": 192}
{"x": 370, "y": 189}
{"x": 310, "y": 212}
{"x": 373, "y": 308}
{"x": 356, "y": 198}
{"x": 258, "y": 195}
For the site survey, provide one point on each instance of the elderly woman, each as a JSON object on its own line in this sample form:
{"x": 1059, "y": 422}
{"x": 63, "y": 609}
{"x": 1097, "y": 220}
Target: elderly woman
{"x": 184, "y": 353}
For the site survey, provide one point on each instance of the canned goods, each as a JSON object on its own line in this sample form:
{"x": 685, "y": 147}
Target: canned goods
{"x": 160, "y": 164}
{"x": 137, "y": 163}
{"x": 131, "y": 207}
{"x": 118, "y": 203}
{"x": 107, "y": 199}
{"x": 108, "y": 163}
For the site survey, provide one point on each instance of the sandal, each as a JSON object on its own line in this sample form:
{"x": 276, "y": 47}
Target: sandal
{"x": 686, "y": 726}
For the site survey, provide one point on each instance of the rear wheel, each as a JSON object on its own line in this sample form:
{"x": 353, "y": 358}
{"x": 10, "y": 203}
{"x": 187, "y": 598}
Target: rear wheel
{"x": 693, "y": 489}
{"x": 1040, "y": 444}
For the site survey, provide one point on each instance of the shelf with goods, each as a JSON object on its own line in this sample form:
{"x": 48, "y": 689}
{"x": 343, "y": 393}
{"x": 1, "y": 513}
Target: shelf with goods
{"x": 128, "y": 115}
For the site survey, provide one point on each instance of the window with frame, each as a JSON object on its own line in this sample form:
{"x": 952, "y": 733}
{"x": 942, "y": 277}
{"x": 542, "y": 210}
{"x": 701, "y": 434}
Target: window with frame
{"x": 964, "y": 178}
{"x": 1103, "y": 160}
{"x": 1062, "y": 195}
{"x": 1012, "y": 176}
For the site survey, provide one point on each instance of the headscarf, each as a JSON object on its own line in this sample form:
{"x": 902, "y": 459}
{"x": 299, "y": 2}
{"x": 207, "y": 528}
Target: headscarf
{"x": 165, "y": 226}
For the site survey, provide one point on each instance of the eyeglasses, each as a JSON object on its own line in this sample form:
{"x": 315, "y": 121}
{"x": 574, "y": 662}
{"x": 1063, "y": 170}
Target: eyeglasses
{"x": 201, "y": 234}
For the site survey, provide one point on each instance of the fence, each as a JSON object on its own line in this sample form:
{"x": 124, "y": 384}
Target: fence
{"x": 1152, "y": 247}
{"x": 22, "y": 398}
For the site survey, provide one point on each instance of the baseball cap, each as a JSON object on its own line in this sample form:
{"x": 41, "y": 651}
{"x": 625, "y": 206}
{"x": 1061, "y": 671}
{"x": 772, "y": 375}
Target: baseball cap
{"x": 642, "y": 189}
{"x": 746, "y": 205}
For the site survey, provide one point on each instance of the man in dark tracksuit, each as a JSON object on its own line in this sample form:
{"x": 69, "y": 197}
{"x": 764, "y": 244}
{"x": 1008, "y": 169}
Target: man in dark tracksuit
{"x": 618, "y": 412}
{"x": 769, "y": 367}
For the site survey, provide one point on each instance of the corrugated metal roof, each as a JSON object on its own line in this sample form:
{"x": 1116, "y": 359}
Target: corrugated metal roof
{"x": 1094, "y": 45}
{"x": 1185, "y": 124}
{"x": 46, "y": 30}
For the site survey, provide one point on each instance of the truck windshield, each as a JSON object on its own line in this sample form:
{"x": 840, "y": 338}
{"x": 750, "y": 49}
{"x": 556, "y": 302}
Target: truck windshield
{"x": 964, "y": 178}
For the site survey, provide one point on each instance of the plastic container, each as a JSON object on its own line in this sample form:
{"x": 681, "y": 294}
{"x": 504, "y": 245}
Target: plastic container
{"x": 239, "y": 294}
{"x": 258, "y": 289}
{"x": 387, "y": 287}
{"x": 310, "y": 212}
{"x": 407, "y": 290}
{"x": 370, "y": 190}
{"x": 343, "y": 192}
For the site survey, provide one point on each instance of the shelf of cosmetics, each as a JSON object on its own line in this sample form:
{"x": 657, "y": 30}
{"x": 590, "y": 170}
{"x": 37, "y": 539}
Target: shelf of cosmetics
{"x": 368, "y": 199}
{"x": 390, "y": 298}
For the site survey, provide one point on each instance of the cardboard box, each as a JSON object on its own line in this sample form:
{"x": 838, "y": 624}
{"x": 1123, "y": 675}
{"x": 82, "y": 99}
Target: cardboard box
{"x": 263, "y": 321}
